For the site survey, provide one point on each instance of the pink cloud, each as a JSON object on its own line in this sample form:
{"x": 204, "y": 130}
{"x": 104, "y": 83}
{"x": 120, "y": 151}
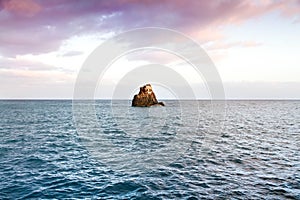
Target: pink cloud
{"x": 26, "y": 8}
{"x": 37, "y": 26}
{"x": 218, "y": 45}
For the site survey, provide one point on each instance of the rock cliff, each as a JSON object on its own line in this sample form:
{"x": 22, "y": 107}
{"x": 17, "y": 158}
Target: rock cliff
{"x": 145, "y": 97}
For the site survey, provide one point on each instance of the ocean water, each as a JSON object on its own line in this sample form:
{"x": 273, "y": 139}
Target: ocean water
{"x": 181, "y": 151}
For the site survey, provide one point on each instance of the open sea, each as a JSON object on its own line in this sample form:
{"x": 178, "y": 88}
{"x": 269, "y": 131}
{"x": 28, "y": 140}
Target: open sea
{"x": 180, "y": 151}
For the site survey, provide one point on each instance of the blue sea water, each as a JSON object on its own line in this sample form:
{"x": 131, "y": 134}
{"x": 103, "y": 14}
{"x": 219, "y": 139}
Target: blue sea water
{"x": 254, "y": 155}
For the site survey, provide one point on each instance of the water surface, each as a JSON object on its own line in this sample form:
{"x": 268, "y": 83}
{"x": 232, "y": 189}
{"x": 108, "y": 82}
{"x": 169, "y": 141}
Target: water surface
{"x": 254, "y": 156}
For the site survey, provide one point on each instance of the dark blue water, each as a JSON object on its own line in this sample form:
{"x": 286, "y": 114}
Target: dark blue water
{"x": 256, "y": 155}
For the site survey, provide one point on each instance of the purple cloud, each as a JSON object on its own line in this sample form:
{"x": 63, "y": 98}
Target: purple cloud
{"x": 37, "y": 26}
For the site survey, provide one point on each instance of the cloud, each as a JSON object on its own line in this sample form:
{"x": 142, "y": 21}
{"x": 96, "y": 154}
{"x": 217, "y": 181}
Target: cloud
{"x": 219, "y": 45}
{"x": 24, "y": 64}
{"x": 27, "y": 8}
{"x": 20, "y": 83}
{"x": 71, "y": 53}
{"x": 36, "y": 26}
{"x": 28, "y": 65}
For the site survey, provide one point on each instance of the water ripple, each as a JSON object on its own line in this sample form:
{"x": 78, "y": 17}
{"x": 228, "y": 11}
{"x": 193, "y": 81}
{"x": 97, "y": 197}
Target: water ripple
{"x": 256, "y": 156}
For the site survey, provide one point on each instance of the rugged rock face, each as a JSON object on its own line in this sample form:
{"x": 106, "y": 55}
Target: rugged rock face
{"x": 146, "y": 97}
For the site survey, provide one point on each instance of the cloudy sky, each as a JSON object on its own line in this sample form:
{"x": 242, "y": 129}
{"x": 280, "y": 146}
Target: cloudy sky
{"x": 254, "y": 44}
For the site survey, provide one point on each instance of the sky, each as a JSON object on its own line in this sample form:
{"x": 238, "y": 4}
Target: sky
{"x": 254, "y": 44}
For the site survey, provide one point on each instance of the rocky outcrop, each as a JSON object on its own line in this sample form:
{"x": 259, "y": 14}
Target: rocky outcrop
{"x": 145, "y": 97}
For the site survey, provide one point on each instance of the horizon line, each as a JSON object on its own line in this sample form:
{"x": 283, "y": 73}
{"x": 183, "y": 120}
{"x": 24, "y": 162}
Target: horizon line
{"x": 108, "y": 99}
